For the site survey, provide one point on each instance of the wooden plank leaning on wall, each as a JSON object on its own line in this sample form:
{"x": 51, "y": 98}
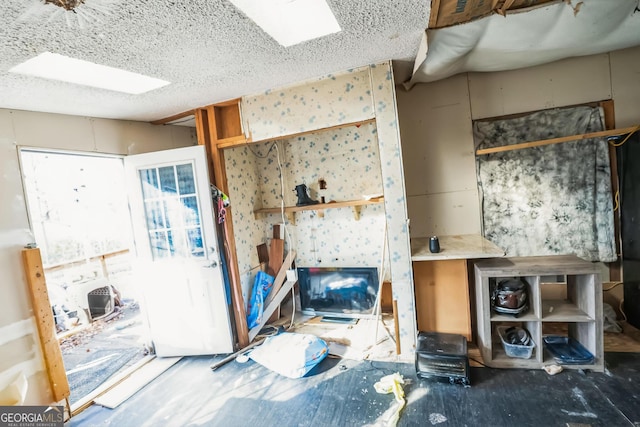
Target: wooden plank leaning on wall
{"x": 51, "y": 352}
{"x": 615, "y": 268}
{"x": 206, "y": 130}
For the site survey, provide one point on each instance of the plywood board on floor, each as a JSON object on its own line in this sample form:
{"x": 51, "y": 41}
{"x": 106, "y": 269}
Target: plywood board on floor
{"x": 143, "y": 376}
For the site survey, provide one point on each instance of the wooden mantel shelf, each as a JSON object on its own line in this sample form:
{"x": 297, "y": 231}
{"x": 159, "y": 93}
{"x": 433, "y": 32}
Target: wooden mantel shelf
{"x": 319, "y": 208}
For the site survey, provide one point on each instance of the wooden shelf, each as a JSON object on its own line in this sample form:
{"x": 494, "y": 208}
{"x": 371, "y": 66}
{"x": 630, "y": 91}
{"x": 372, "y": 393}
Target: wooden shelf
{"x": 579, "y": 315}
{"x": 563, "y": 311}
{"x": 495, "y": 317}
{"x": 290, "y": 211}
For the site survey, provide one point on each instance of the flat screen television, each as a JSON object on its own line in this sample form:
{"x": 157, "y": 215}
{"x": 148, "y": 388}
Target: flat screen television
{"x": 338, "y": 291}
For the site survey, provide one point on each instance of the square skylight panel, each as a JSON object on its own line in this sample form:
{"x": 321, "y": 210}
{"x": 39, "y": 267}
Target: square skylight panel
{"x": 53, "y": 66}
{"x": 291, "y": 22}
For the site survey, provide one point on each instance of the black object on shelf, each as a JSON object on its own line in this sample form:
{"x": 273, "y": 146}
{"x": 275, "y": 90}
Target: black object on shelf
{"x": 567, "y": 350}
{"x": 303, "y": 196}
{"x": 442, "y": 356}
{"x": 434, "y": 245}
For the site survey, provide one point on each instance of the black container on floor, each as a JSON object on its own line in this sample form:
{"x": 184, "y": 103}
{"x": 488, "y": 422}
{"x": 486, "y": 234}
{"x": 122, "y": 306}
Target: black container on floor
{"x": 442, "y": 356}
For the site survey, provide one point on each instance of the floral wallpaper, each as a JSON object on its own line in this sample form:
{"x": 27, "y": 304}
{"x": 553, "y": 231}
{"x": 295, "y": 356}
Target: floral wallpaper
{"x": 244, "y": 194}
{"x": 353, "y": 161}
{"x": 318, "y": 104}
{"x": 347, "y": 161}
{"x": 547, "y": 200}
{"x": 395, "y": 200}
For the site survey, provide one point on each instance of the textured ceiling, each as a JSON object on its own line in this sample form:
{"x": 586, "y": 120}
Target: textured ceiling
{"x": 208, "y": 49}
{"x": 211, "y": 52}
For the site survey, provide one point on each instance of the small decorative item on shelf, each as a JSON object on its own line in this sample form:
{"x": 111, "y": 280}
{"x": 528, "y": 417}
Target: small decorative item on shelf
{"x": 303, "y": 196}
{"x": 434, "y": 245}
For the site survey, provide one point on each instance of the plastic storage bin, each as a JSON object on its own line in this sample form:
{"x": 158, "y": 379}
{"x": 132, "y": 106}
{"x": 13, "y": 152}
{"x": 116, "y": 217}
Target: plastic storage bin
{"x": 566, "y": 350}
{"x": 521, "y": 351}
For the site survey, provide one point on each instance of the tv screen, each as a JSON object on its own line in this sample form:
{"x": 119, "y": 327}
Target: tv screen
{"x": 339, "y": 291}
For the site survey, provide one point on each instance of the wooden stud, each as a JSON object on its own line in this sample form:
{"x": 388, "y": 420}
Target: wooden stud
{"x": 396, "y": 326}
{"x": 228, "y": 125}
{"x": 433, "y": 14}
{"x": 615, "y": 268}
{"x": 205, "y": 123}
{"x": 281, "y": 276}
{"x": 46, "y": 327}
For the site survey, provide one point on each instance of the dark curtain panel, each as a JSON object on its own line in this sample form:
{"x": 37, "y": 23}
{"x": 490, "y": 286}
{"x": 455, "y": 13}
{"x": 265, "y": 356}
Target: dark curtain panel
{"x": 628, "y": 156}
{"x": 549, "y": 200}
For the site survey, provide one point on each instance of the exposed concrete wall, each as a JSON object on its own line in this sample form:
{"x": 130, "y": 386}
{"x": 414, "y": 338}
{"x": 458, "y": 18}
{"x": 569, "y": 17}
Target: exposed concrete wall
{"x": 49, "y": 131}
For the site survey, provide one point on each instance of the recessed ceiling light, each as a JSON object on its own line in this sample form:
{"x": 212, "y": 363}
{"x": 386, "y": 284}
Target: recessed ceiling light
{"x": 63, "y": 68}
{"x": 291, "y": 22}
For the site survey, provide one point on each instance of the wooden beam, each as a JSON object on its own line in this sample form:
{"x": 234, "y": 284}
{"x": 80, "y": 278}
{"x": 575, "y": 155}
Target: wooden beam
{"x": 242, "y": 141}
{"x": 84, "y": 261}
{"x": 396, "y": 325}
{"x": 205, "y": 122}
{"x": 281, "y": 276}
{"x": 615, "y": 268}
{"x": 46, "y": 327}
{"x": 558, "y": 140}
{"x": 173, "y": 118}
{"x": 433, "y": 13}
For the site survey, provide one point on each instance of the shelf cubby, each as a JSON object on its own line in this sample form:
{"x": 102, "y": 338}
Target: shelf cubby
{"x": 570, "y": 304}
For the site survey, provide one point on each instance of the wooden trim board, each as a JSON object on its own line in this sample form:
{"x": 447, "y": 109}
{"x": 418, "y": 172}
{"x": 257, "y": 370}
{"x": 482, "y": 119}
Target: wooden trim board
{"x": 558, "y": 140}
{"x": 205, "y": 122}
{"x": 233, "y": 143}
{"x": 51, "y": 352}
{"x": 173, "y": 118}
{"x": 140, "y": 378}
{"x": 87, "y": 400}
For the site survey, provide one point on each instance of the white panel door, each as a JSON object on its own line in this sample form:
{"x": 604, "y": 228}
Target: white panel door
{"x": 178, "y": 262}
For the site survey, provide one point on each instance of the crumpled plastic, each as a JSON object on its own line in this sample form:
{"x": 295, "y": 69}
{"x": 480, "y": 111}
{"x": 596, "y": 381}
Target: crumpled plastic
{"x": 391, "y": 384}
{"x": 261, "y": 288}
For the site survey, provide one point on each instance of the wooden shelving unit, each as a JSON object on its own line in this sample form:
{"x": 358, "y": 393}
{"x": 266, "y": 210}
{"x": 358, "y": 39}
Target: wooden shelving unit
{"x": 290, "y": 211}
{"x": 578, "y": 316}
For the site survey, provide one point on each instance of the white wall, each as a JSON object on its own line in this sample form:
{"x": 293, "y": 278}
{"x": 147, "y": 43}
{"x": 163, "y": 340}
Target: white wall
{"x": 435, "y": 123}
{"x": 49, "y": 131}
{"x": 625, "y": 85}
